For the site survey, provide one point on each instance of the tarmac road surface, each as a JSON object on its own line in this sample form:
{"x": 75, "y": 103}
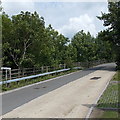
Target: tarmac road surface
{"x": 61, "y": 97}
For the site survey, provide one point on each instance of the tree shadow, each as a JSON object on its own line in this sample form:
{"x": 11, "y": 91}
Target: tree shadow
{"x": 107, "y": 67}
{"x": 105, "y": 106}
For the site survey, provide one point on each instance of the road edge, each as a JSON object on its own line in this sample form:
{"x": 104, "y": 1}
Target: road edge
{"x": 3, "y": 93}
{"x": 91, "y": 109}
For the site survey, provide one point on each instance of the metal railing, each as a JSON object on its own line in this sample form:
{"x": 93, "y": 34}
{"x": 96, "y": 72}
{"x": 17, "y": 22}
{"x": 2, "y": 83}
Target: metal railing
{"x": 32, "y": 76}
{"x": 23, "y": 74}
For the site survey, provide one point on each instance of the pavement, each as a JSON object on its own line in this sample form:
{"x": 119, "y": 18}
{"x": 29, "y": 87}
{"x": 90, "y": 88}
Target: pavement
{"x": 65, "y": 97}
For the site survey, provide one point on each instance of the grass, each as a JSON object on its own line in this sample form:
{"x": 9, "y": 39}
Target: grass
{"x": 109, "y": 101}
{"x": 110, "y": 97}
{"x": 22, "y": 83}
{"x": 117, "y": 76}
{"x": 110, "y": 114}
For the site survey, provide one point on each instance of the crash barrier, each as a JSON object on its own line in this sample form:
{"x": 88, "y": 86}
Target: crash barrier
{"x": 18, "y": 74}
{"x": 33, "y": 76}
{"x": 24, "y": 72}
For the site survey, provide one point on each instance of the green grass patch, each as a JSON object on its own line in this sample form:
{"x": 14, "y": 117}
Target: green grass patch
{"x": 110, "y": 97}
{"x": 14, "y": 85}
{"x": 116, "y": 76}
{"x": 109, "y": 101}
{"x": 110, "y": 114}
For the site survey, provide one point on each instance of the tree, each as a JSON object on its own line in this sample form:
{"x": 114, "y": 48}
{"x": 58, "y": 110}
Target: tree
{"x": 70, "y": 55}
{"x": 104, "y": 49}
{"x": 19, "y": 34}
{"x": 6, "y": 38}
{"x": 57, "y": 44}
{"x": 112, "y": 33}
{"x": 27, "y": 43}
{"x": 85, "y": 44}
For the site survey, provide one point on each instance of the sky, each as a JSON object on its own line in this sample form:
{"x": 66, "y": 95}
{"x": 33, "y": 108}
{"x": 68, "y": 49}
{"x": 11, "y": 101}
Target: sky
{"x": 66, "y": 17}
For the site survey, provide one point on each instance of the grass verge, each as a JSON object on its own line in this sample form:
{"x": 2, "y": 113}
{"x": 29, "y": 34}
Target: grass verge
{"x": 22, "y": 83}
{"x": 108, "y": 104}
{"x": 110, "y": 114}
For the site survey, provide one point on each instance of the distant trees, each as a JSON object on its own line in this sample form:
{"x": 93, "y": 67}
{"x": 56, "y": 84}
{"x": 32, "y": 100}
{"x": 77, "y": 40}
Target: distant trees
{"x": 90, "y": 48}
{"x": 112, "y": 33}
{"x": 28, "y": 43}
{"x": 84, "y": 43}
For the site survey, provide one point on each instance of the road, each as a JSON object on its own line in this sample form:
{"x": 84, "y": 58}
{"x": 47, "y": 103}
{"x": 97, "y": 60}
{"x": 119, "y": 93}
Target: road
{"x": 20, "y": 97}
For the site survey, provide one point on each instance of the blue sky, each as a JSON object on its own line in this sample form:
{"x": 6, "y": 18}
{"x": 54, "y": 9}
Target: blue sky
{"x": 66, "y": 17}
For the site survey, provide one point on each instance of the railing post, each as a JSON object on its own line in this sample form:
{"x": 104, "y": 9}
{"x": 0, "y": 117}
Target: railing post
{"x": 10, "y": 74}
{"x": 6, "y": 75}
{"x": 23, "y": 72}
{"x": 33, "y": 71}
{"x": 18, "y": 72}
{"x": 42, "y": 69}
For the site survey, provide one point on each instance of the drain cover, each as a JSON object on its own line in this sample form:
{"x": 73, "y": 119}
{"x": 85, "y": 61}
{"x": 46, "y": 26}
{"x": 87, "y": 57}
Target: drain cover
{"x": 95, "y": 78}
{"x": 39, "y": 87}
{"x": 36, "y": 88}
{"x": 44, "y": 87}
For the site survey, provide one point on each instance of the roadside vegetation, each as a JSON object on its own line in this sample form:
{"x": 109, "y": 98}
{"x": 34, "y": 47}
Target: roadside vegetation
{"x": 112, "y": 22}
{"x": 22, "y": 83}
{"x": 109, "y": 103}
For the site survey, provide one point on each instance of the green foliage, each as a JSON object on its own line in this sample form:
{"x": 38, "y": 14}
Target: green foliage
{"x": 104, "y": 49}
{"x": 110, "y": 114}
{"x": 83, "y": 43}
{"x": 19, "y": 33}
{"x": 90, "y": 48}
{"x": 112, "y": 33}
{"x": 28, "y": 43}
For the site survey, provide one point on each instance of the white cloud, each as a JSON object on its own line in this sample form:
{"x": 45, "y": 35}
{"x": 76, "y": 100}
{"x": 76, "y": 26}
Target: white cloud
{"x": 75, "y": 24}
{"x": 15, "y": 7}
{"x": 66, "y": 17}
{"x": 57, "y": 0}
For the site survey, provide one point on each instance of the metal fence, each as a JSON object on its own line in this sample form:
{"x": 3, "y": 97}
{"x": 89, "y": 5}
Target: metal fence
{"x": 33, "y": 76}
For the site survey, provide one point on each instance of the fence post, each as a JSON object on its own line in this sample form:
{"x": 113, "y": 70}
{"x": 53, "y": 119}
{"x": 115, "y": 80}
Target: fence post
{"x": 23, "y": 70}
{"x": 10, "y": 74}
{"x": 42, "y": 69}
{"x": 6, "y": 75}
{"x": 60, "y": 66}
{"x": 18, "y": 76}
{"x": 18, "y": 73}
{"x": 34, "y": 71}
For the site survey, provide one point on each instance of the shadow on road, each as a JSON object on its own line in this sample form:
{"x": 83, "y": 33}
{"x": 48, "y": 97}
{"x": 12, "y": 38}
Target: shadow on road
{"x": 107, "y": 67}
{"x": 104, "y": 106}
